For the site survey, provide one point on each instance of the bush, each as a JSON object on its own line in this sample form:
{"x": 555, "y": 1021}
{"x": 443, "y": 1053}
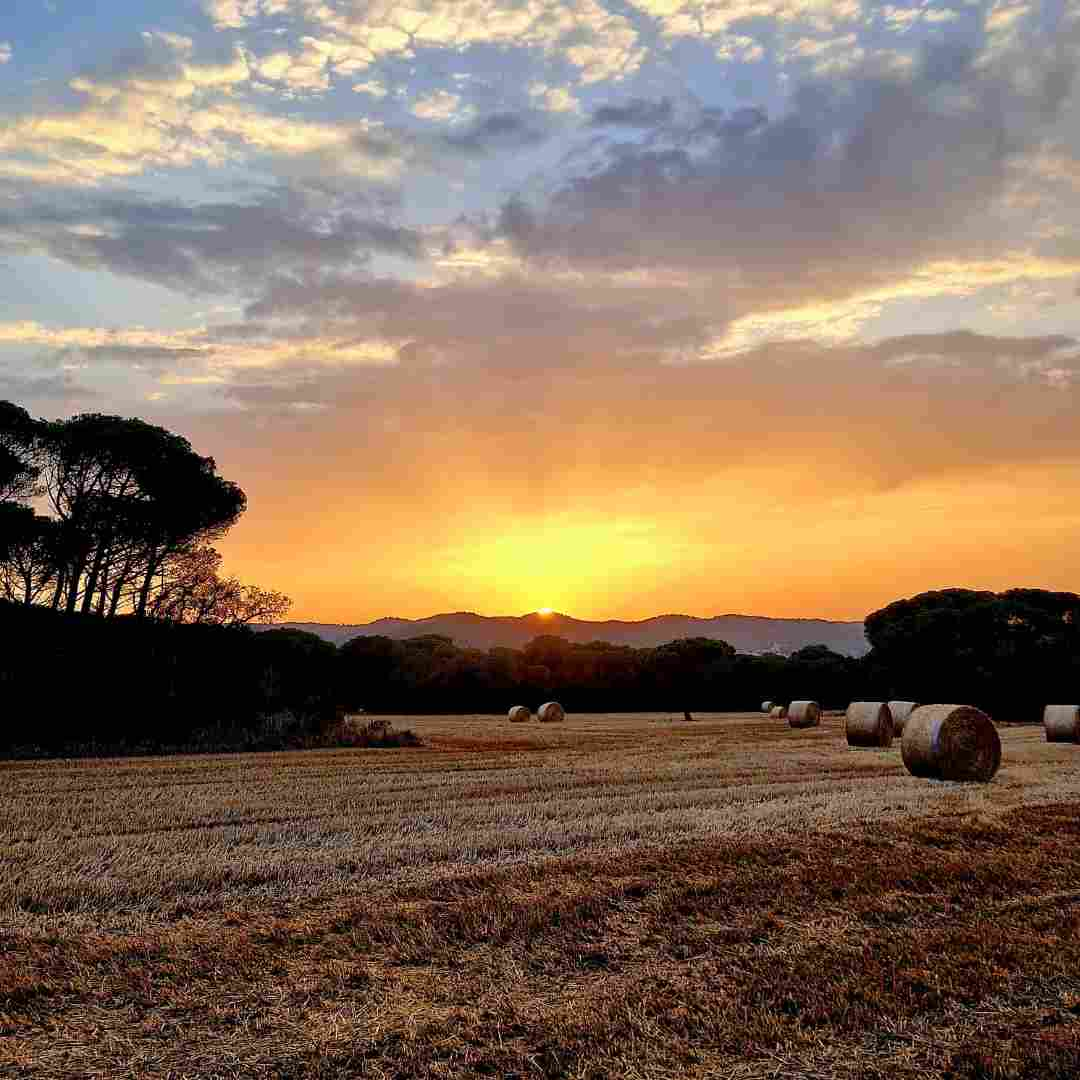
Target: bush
{"x": 375, "y": 733}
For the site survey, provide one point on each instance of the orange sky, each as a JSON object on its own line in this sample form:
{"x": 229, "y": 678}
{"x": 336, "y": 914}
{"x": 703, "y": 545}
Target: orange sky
{"x": 822, "y": 534}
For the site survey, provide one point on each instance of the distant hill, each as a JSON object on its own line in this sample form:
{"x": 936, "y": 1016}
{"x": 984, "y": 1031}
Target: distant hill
{"x": 748, "y": 633}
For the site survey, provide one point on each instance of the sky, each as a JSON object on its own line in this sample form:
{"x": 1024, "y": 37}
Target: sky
{"x": 618, "y": 307}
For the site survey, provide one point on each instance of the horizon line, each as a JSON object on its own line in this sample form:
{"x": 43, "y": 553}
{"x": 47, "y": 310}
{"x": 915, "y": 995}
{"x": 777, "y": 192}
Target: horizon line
{"x": 534, "y": 614}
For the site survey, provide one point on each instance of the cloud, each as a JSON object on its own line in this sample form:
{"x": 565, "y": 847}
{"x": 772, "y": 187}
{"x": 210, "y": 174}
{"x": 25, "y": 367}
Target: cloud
{"x": 5, "y": 51}
{"x": 495, "y": 321}
{"x": 597, "y": 42}
{"x": 34, "y": 333}
{"x": 860, "y": 182}
{"x": 440, "y": 105}
{"x": 916, "y": 407}
{"x": 487, "y": 305}
{"x": 204, "y": 356}
{"x": 163, "y": 104}
{"x": 306, "y": 71}
{"x": 725, "y": 20}
{"x": 905, "y": 19}
{"x": 634, "y": 114}
{"x": 1004, "y": 22}
{"x": 373, "y": 87}
{"x": 670, "y": 231}
{"x": 1053, "y": 163}
{"x": 556, "y": 99}
{"x": 61, "y": 391}
{"x": 155, "y": 106}
{"x": 205, "y": 247}
{"x": 845, "y": 320}
{"x": 500, "y": 131}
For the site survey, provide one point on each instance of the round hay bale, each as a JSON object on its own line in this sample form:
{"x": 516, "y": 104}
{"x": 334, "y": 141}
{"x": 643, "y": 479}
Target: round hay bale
{"x": 868, "y": 723}
{"x": 777, "y": 712}
{"x": 802, "y": 714}
{"x": 1062, "y": 723}
{"x": 901, "y": 710}
{"x": 519, "y": 714}
{"x": 951, "y": 742}
{"x": 766, "y": 706}
{"x": 551, "y": 712}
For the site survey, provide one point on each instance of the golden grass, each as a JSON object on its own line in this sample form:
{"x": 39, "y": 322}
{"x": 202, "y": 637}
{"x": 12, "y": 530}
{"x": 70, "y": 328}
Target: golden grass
{"x": 612, "y": 896}
{"x": 130, "y": 840}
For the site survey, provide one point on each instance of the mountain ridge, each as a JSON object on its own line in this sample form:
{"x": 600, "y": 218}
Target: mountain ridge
{"x": 747, "y": 633}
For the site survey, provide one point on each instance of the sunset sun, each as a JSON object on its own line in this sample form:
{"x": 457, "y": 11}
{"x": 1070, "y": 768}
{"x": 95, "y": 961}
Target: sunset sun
{"x": 544, "y": 611}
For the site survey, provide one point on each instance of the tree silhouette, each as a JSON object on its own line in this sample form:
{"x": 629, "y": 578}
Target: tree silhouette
{"x": 27, "y": 553}
{"x": 192, "y": 591}
{"x": 133, "y": 511}
{"x": 18, "y": 469}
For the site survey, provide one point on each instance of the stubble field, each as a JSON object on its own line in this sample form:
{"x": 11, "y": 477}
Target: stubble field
{"x": 618, "y": 896}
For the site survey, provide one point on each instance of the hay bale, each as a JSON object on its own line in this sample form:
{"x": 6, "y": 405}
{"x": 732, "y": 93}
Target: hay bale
{"x": 868, "y": 723}
{"x": 777, "y": 712}
{"x": 1062, "y": 723}
{"x": 802, "y": 714}
{"x": 766, "y": 706}
{"x": 901, "y": 710}
{"x": 951, "y": 742}
{"x": 551, "y": 712}
{"x": 519, "y": 714}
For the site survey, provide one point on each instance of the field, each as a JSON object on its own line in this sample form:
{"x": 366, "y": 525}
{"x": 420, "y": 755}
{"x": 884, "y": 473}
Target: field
{"x": 619, "y": 896}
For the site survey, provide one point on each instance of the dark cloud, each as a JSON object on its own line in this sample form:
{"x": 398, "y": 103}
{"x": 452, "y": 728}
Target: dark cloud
{"x": 145, "y": 58}
{"x": 963, "y": 345}
{"x": 492, "y": 134}
{"x": 204, "y": 247}
{"x": 498, "y": 132}
{"x": 863, "y": 177}
{"x": 638, "y": 113}
{"x": 508, "y": 320}
{"x": 296, "y": 391}
{"x": 733, "y": 123}
{"x": 48, "y": 389}
{"x": 384, "y": 145}
{"x": 151, "y": 359}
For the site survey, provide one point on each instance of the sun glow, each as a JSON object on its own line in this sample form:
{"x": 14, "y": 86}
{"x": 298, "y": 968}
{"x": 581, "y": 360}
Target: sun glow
{"x": 544, "y": 610}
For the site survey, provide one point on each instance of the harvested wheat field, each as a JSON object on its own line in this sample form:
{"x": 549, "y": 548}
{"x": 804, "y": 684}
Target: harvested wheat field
{"x": 613, "y": 896}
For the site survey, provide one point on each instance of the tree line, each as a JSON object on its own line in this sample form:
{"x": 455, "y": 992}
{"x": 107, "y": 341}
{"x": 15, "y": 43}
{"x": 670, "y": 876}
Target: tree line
{"x": 1010, "y": 653}
{"x": 82, "y": 682}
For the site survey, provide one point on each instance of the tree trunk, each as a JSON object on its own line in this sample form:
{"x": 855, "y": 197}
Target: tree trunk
{"x": 144, "y": 591}
{"x": 59, "y": 590}
{"x": 114, "y": 602}
{"x": 103, "y": 594}
{"x": 100, "y": 559}
{"x": 75, "y": 576}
